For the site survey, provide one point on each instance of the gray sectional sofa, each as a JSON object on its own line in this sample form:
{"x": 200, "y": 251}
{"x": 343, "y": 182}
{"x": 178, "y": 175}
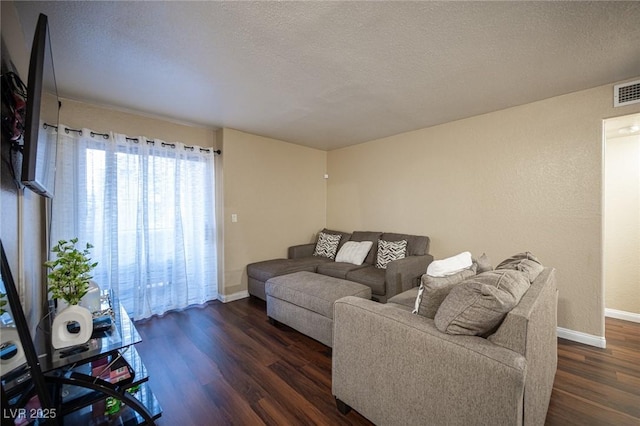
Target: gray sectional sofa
{"x": 398, "y": 368}
{"x": 399, "y": 275}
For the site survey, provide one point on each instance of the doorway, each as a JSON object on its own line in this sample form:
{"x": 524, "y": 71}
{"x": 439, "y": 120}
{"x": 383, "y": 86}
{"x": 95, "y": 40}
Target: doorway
{"x": 621, "y": 235}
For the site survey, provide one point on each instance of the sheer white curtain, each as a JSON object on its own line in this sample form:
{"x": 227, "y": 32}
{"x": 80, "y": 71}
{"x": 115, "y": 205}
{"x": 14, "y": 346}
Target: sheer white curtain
{"x": 148, "y": 209}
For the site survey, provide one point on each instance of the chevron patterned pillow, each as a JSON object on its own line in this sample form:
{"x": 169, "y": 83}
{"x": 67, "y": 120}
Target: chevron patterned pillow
{"x": 388, "y": 251}
{"x": 327, "y": 245}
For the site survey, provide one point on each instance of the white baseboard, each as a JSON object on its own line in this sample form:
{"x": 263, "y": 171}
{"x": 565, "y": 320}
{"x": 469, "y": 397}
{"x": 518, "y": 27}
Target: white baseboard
{"x": 233, "y": 296}
{"x": 580, "y": 337}
{"x": 627, "y": 316}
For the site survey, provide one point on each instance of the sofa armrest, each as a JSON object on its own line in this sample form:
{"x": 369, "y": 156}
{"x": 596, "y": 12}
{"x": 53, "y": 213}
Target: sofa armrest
{"x": 394, "y": 367}
{"x": 403, "y": 274}
{"x": 302, "y": 250}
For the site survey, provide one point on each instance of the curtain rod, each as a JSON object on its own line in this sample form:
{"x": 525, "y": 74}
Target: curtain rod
{"x": 135, "y": 140}
{"x": 104, "y": 135}
{"x": 172, "y": 145}
{"x": 68, "y": 129}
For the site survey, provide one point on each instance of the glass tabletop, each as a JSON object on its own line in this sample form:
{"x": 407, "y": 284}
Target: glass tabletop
{"x": 122, "y": 334}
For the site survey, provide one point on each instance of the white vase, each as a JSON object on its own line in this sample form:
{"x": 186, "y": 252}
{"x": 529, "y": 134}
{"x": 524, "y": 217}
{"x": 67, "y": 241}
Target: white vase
{"x": 8, "y": 337}
{"x": 61, "y": 337}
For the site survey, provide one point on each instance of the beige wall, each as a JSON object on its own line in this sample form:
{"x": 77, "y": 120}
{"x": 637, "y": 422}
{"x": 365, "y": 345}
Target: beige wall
{"x": 622, "y": 224}
{"x": 22, "y": 233}
{"x": 77, "y": 114}
{"x": 14, "y": 46}
{"x": 278, "y": 191}
{"x": 524, "y": 178}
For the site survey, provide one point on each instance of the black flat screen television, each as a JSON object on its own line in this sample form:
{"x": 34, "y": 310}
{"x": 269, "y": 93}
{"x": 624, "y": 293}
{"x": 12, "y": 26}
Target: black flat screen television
{"x": 40, "y": 134}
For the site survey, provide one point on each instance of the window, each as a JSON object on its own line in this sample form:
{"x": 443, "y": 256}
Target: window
{"x": 148, "y": 209}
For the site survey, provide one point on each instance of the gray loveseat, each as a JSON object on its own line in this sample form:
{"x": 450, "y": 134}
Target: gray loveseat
{"x": 399, "y": 275}
{"x": 397, "y": 368}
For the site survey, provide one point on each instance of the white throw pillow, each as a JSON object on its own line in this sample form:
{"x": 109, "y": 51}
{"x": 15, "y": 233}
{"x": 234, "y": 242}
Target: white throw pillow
{"x": 450, "y": 265}
{"x": 354, "y": 252}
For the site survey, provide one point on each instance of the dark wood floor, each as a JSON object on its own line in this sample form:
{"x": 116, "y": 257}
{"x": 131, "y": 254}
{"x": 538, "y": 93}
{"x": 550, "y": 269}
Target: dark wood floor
{"x": 225, "y": 364}
{"x": 599, "y": 386}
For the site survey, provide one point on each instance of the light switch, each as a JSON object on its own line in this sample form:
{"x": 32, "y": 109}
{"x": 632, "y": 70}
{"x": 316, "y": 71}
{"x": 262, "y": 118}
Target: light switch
{"x": 234, "y": 218}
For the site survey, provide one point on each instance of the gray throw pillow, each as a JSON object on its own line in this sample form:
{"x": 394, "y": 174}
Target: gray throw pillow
{"x": 478, "y": 305}
{"x": 523, "y": 262}
{"x": 483, "y": 263}
{"x": 433, "y": 290}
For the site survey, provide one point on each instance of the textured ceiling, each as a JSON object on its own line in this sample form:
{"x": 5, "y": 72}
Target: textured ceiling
{"x": 332, "y": 74}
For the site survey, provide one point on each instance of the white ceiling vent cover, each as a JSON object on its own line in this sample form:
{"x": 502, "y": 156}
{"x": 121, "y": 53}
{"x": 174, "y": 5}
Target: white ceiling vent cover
{"x": 626, "y": 93}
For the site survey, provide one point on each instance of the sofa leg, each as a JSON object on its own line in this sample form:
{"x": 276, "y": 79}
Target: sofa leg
{"x": 342, "y": 407}
{"x": 272, "y": 321}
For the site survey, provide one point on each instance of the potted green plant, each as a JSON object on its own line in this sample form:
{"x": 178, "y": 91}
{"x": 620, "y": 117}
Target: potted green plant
{"x": 69, "y": 281}
{"x": 69, "y": 277}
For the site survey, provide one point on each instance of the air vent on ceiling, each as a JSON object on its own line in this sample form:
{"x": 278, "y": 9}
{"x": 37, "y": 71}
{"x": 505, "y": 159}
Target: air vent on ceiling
{"x": 626, "y": 93}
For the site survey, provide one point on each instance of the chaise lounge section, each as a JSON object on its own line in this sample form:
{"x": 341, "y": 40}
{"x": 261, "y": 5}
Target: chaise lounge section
{"x": 397, "y": 275}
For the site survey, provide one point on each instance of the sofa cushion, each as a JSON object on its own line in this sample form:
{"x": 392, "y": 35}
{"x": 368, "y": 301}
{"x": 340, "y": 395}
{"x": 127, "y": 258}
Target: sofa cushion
{"x": 405, "y": 300}
{"x": 354, "y": 252}
{"x": 370, "y": 276}
{"x": 388, "y": 251}
{"x": 327, "y": 245}
{"x": 523, "y": 262}
{"x": 517, "y": 257}
{"x": 264, "y": 270}
{"x": 433, "y": 291}
{"x": 417, "y": 245}
{"x": 478, "y": 305}
{"x": 337, "y": 269}
{"x": 372, "y": 236}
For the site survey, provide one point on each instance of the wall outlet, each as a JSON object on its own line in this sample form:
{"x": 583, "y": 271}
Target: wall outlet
{"x": 234, "y": 218}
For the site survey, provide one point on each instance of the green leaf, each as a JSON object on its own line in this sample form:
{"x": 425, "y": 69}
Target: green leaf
{"x": 69, "y": 276}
